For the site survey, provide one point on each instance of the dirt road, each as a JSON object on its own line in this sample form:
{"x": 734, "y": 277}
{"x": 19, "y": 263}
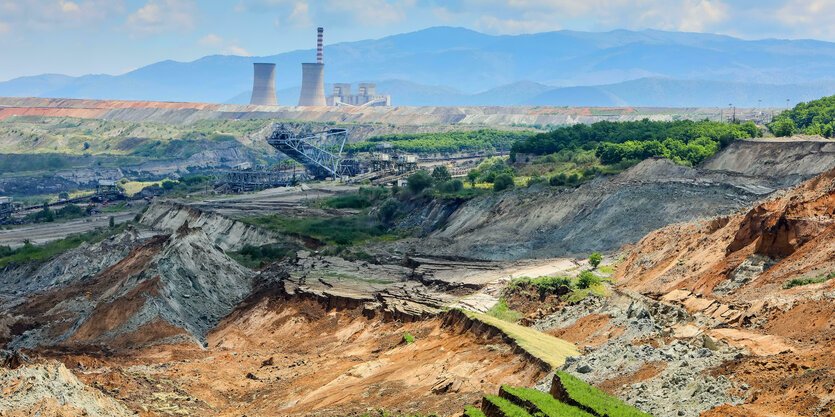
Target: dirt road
{"x": 39, "y": 234}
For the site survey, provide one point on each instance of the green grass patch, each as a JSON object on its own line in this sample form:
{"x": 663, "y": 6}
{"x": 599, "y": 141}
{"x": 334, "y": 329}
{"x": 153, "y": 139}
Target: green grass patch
{"x": 796, "y": 282}
{"x": 344, "y": 231}
{"x": 409, "y": 339}
{"x": 595, "y": 399}
{"x": 353, "y": 201}
{"x": 545, "y": 347}
{"x": 470, "y": 411}
{"x": 607, "y": 269}
{"x": 503, "y": 312}
{"x": 544, "y": 404}
{"x": 507, "y": 408}
{"x": 254, "y": 257}
{"x": 31, "y": 253}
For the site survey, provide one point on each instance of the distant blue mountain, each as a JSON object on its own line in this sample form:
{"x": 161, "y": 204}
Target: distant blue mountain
{"x": 467, "y": 67}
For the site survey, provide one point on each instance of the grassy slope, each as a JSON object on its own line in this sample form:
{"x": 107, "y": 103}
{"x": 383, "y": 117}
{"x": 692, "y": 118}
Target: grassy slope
{"x": 548, "y": 348}
{"x": 595, "y": 399}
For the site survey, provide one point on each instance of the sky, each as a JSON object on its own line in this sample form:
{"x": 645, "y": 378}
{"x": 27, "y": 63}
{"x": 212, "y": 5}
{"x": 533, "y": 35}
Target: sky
{"x": 77, "y": 37}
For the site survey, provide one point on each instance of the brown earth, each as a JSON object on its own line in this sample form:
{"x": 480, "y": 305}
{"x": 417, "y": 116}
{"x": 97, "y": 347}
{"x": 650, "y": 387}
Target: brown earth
{"x": 296, "y": 357}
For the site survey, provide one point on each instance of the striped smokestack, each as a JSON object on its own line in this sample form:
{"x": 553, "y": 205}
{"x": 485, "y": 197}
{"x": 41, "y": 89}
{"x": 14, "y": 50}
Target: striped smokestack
{"x": 319, "y": 53}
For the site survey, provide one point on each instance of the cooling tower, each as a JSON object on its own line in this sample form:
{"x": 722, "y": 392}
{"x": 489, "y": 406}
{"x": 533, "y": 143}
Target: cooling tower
{"x": 263, "y": 85}
{"x": 313, "y": 81}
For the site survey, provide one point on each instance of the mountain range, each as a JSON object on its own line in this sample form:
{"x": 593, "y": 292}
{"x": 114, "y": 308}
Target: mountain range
{"x": 456, "y": 66}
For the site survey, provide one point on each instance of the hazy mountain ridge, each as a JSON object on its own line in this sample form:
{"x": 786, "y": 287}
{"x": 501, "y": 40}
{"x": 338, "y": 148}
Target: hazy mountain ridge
{"x": 467, "y": 67}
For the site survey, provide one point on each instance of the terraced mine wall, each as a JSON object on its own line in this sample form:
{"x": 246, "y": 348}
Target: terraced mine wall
{"x": 177, "y": 113}
{"x": 228, "y": 234}
{"x": 611, "y": 211}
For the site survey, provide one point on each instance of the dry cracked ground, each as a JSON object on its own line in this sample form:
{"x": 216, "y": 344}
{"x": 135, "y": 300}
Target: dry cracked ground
{"x": 718, "y": 303}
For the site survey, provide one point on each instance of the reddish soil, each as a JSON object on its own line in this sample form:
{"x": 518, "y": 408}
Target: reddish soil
{"x": 281, "y": 357}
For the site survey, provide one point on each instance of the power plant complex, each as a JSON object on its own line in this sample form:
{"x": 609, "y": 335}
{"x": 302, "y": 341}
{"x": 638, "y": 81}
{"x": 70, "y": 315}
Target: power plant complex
{"x": 313, "y": 85}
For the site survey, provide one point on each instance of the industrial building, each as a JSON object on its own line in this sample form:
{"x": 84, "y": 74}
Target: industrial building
{"x": 366, "y": 96}
{"x": 263, "y": 85}
{"x": 313, "y": 83}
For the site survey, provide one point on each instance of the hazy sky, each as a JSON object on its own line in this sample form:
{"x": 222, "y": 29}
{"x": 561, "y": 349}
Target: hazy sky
{"x": 114, "y": 36}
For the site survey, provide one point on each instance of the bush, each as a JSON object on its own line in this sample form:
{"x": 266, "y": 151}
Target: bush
{"x": 796, "y": 282}
{"x": 503, "y": 182}
{"x": 450, "y": 187}
{"x": 558, "y": 180}
{"x": 388, "y": 210}
{"x": 348, "y": 201}
{"x": 419, "y": 181}
{"x": 782, "y": 127}
{"x": 587, "y": 279}
{"x": 441, "y": 174}
{"x": 168, "y": 185}
{"x": 595, "y": 259}
{"x": 409, "y": 339}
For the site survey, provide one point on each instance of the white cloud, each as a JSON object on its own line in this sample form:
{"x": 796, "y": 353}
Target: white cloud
{"x": 815, "y": 16}
{"x": 54, "y": 15}
{"x": 235, "y": 50}
{"x": 516, "y": 26}
{"x": 210, "y": 40}
{"x": 300, "y": 16}
{"x": 223, "y": 46}
{"x": 160, "y": 16}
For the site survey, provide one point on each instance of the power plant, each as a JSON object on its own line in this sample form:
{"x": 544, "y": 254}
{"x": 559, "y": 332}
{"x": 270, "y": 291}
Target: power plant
{"x": 263, "y": 85}
{"x": 367, "y": 96}
{"x": 313, "y": 82}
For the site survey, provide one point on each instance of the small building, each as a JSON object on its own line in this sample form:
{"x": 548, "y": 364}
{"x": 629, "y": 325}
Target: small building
{"x": 366, "y": 96}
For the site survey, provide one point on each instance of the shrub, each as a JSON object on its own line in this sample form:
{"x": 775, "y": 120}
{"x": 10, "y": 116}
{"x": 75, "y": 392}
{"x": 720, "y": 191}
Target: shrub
{"x": 441, "y": 174}
{"x": 168, "y": 185}
{"x": 452, "y": 186}
{"x": 388, "y": 210}
{"x": 419, "y": 181}
{"x": 796, "y": 282}
{"x": 587, "y": 279}
{"x": 503, "y": 182}
{"x": 559, "y": 179}
{"x": 595, "y": 259}
{"x": 348, "y": 201}
{"x": 782, "y": 127}
{"x": 409, "y": 339}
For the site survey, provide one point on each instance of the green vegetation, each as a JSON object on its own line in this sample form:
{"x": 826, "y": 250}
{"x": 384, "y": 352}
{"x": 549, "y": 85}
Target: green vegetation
{"x": 471, "y": 411}
{"x": 446, "y": 142}
{"x": 548, "y": 348}
{"x": 503, "y": 181}
{"x": 419, "y": 181}
{"x": 46, "y": 215}
{"x": 501, "y": 311}
{"x": 353, "y": 201}
{"x": 31, "y": 253}
{"x": 595, "y": 259}
{"x": 254, "y": 257}
{"x": 595, "y": 399}
{"x": 816, "y": 117}
{"x": 341, "y": 231}
{"x": 570, "y": 289}
{"x": 409, "y": 339}
{"x": 507, "y": 408}
{"x": 796, "y": 282}
{"x": 441, "y": 174}
{"x": 685, "y": 142}
{"x": 545, "y": 404}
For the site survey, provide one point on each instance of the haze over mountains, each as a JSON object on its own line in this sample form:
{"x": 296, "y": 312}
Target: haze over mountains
{"x": 455, "y": 66}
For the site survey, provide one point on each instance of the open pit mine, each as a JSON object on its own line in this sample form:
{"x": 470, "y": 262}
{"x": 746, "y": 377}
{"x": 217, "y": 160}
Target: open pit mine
{"x": 339, "y": 294}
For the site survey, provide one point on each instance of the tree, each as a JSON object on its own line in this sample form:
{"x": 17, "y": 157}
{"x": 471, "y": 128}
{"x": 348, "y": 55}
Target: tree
{"x": 587, "y": 279}
{"x": 595, "y": 259}
{"x": 441, "y": 174}
{"x": 388, "y": 210}
{"x": 168, "y": 185}
{"x": 451, "y": 186}
{"x": 472, "y": 176}
{"x": 63, "y": 196}
{"x": 783, "y": 127}
{"x": 503, "y": 182}
{"x": 419, "y": 181}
